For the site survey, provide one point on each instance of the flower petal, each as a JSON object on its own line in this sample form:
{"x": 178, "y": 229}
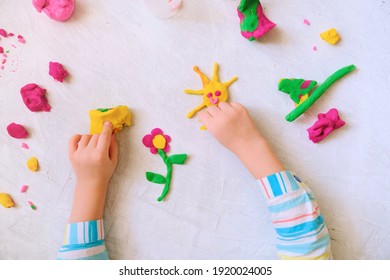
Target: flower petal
{"x": 156, "y": 131}
{"x": 167, "y": 148}
{"x": 167, "y": 137}
{"x": 153, "y": 150}
{"x": 148, "y": 140}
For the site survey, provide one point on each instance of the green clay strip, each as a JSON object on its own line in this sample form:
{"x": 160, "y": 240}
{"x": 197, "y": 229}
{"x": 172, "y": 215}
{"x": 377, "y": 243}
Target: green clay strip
{"x": 318, "y": 92}
{"x": 167, "y": 177}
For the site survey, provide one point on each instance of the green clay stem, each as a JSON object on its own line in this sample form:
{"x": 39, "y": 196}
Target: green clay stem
{"x": 318, "y": 92}
{"x": 167, "y": 177}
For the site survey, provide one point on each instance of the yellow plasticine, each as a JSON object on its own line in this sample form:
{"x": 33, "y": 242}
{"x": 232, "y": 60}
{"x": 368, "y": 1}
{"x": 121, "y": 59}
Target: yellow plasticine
{"x": 159, "y": 141}
{"x": 119, "y": 117}
{"x": 331, "y": 36}
{"x": 33, "y": 164}
{"x": 213, "y": 91}
{"x": 6, "y": 200}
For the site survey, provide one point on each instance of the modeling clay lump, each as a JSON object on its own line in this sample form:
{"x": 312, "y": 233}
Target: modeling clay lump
{"x": 60, "y": 10}
{"x": 57, "y": 71}
{"x": 6, "y": 200}
{"x": 34, "y": 98}
{"x": 331, "y": 36}
{"x": 325, "y": 124}
{"x": 33, "y": 164}
{"x": 17, "y": 131}
{"x": 119, "y": 117}
{"x": 253, "y": 23}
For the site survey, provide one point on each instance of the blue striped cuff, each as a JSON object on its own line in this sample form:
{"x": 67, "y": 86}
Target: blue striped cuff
{"x": 84, "y": 232}
{"x": 279, "y": 184}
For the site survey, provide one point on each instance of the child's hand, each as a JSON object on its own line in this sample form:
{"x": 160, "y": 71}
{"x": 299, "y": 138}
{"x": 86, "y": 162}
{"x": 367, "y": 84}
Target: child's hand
{"x": 94, "y": 159}
{"x": 231, "y": 125}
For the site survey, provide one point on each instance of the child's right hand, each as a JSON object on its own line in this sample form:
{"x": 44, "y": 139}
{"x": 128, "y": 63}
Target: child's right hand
{"x": 233, "y": 127}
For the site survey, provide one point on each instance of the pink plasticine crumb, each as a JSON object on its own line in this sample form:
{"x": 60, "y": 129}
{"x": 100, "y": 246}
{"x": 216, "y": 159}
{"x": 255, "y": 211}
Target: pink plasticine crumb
{"x": 2, "y": 67}
{"x": 4, "y": 61}
{"x": 1, "y": 50}
{"x": 34, "y": 98}
{"x": 25, "y": 146}
{"x": 315, "y": 48}
{"x": 33, "y": 207}
{"x": 11, "y": 34}
{"x": 21, "y": 39}
{"x": 3, "y": 33}
{"x": 305, "y": 21}
{"x": 57, "y": 71}
{"x": 23, "y": 189}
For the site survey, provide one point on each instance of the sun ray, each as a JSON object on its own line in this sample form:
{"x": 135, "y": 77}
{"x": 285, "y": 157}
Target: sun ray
{"x": 191, "y": 91}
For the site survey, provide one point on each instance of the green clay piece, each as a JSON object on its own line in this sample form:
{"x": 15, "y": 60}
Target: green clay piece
{"x": 296, "y": 88}
{"x": 159, "y": 179}
{"x": 253, "y": 23}
{"x": 104, "y": 109}
{"x": 318, "y": 92}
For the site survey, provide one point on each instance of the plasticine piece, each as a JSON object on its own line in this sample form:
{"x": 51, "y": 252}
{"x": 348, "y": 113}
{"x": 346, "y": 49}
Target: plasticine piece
{"x": 305, "y": 21}
{"x": 331, "y": 36}
{"x": 17, "y": 131}
{"x": 325, "y": 124}
{"x": 316, "y": 94}
{"x": 3, "y": 33}
{"x": 1, "y": 50}
{"x": 119, "y": 117}
{"x": 21, "y": 39}
{"x": 34, "y": 98}
{"x": 157, "y": 142}
{"x": 57, "y": 71}
{"x": 213, "y": 91}
{"x": 33, "y": 164}
{"x": 60, "y": 10}
{"x": 6, "y": 200}
{"x": 298, "y": 89}
{"x": 25, "y": 146}
{"x": 23, "y": 189}
{"x": 33, "y": 207}
{"x": 253, "y": 23}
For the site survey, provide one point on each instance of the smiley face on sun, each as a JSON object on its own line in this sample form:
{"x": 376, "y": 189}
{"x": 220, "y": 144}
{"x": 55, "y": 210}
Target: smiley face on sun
{"x": 213, "y": 91}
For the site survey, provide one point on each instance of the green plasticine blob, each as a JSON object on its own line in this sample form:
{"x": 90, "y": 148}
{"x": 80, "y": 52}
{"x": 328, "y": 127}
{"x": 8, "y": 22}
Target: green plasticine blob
{"x": 248, "y": 8}
{"x": 253, "y": 23}
{"x": 318, "y": 92}
{"x": 296, "y": 88}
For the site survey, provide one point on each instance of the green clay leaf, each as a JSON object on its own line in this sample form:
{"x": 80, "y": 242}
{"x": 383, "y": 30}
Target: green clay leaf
{"x": 177, "y": 159}
{"x": 155, "y": 178}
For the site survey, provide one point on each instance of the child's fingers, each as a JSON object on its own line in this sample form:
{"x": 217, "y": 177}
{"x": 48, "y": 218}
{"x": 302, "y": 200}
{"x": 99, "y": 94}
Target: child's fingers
{"x": 94, "y": 140}
{"x": 74, "y": 143}
{"x": 213, "y": 110}
{"x": 204, "y": 117}
{"x": 114, "y": 149}
{"x": 224, "y": 106}
{"x": 104, "y": 140}
{"x": 236, "y": 105}
{"x": 84, "y": 140}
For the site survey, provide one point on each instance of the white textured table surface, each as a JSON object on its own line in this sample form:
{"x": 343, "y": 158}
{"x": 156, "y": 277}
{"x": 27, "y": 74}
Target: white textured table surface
{"x": 118, "y": 54}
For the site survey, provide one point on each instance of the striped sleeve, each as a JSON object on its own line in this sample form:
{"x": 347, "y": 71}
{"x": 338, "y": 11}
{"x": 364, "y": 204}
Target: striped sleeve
{"x": 300, "y": 227}
{"x": 84, "y": 241}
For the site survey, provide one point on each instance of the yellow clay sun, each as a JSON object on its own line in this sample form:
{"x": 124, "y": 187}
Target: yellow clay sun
{"x": 213, "y": 91}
